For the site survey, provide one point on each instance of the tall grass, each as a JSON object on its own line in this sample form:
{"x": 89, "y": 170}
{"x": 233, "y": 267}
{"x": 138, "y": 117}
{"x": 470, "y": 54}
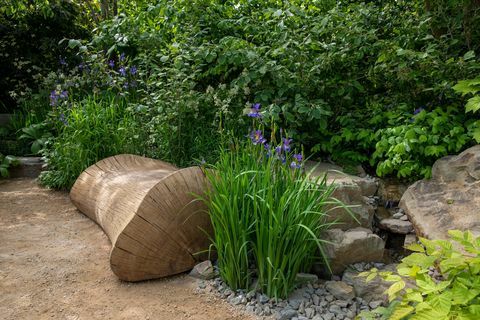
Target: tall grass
{"x": 89, "y": 130}
{"x": 266, "y": 214}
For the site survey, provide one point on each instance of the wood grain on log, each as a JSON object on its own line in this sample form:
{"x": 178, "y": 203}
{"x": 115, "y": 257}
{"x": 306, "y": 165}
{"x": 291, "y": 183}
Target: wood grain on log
{"x": 149, "y": 212}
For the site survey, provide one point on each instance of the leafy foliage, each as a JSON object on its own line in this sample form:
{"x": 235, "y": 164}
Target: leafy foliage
{"x": 470, "y": 87}
{"x": 445, "y": 276}
{"x": 5, "y": 163}
{"x": 265, "y": 212}
{"x": 29, "y": 49}
{"x": 422, "y": 139}
{"x": 90, "y": 130}
{"x": 345, "y": 77}
{"x": 37, "y": 135}
{"x": 336, "y": 75}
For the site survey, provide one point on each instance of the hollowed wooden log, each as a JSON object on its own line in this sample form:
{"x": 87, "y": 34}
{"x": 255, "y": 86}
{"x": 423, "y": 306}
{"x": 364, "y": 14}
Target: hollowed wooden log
{"x": 148, "y": 210}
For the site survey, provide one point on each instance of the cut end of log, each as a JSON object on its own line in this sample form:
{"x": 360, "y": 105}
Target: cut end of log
{"x": 149, "y": 211}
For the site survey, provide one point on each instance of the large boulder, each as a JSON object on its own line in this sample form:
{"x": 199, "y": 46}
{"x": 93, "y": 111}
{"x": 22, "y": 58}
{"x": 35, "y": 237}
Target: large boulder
{"x": 348, "y": 247}
{"x": 351, "y": 190}
{"x": 449, "y": 200}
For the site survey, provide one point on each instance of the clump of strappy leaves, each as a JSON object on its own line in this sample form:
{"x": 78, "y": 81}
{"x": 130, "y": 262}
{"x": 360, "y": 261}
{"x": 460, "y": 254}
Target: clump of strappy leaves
{"x": 440, "y": 280}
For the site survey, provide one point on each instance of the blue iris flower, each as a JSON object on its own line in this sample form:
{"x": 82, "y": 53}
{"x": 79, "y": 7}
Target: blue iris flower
{"x": 295, "y": 165}
{"x": 298, "y": 157}
{"x": 286, "y": 144}
{"x": 257, "y": 137}
{"x": 255, "y": 111}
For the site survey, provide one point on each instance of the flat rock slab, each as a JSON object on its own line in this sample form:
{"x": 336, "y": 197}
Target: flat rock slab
{"x": 29, "y": 167}
{"x": 396, "y": 226}
{"x": 450, "y": 200}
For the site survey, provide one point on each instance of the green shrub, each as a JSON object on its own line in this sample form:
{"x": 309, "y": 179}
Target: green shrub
{"x": 411, "y": 149}
{"x": 336, "y": 75}
{"x": 446, "y": 281}
{"x": 29, "y": 50}
{"x": 471, "y": 87}
{"x": 88, "y": 131}
{"x": 36, "y": 135}
{"x": 344, "y": 77}
{"x": 6, "y": 162}
{"x": 265, "y": 212}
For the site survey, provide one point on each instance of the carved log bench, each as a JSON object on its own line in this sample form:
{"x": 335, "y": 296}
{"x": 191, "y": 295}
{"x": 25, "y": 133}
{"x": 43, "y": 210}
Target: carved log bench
{"x": 148, "y": 211}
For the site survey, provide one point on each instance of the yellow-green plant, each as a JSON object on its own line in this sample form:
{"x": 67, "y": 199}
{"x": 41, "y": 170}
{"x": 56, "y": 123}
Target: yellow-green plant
{"x": 471, "y": 87}
{"x": 439, "y": 281}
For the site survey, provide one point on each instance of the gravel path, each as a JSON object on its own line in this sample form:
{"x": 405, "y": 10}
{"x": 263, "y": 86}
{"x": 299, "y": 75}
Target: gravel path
{"x": 54, "y": 265}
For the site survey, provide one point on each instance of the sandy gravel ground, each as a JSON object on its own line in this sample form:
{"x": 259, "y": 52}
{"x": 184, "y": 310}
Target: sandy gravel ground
{"x": 54, "y": 265}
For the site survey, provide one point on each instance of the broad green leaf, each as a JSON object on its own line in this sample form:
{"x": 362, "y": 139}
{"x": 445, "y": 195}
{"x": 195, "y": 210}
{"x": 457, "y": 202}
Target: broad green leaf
{"x": 442, "y": 302}
{"x": 428, "y": 314}
{"x": 475, "y": 310}
{"x": 473, "y": 104}
{"x": 461, "y": 294}
{"x": 394, "y": 289}
{"x": 467, "y": 86}
{"x": 426, "y": 284}
{"x": 414, "y": 296}
{"x": 416, "y": 247}
{"x": 401, "y": 312}
{"x": 371, "y": 276}
{"x": 469, "y": 55}
{"x": 72, "y": 43}
{"x": 392, "y": 278}
{"x": 476, "y": 134}
{"x": 452, "y": 263}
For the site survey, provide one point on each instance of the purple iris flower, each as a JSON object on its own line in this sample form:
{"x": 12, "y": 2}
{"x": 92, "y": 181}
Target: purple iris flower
{"x": 63, "y": 62}
{"x": 53, "y": 98}
{"x": 257, "y": 137}
{"x": 278, "y": 150}
{"x": 295, "y": 165}
{"x": 286, "y": 144}
{"x": 125, "y": 85}
{"x": 254, "y": 111}
{"x": 133, "y": 70}
{"x": 418, "y": 110}
{"x": 122, "y": 56}
{"x": 111, "y": 63}
{"x": 267, "y": 147}
{"x": 63, "y": 94}
{"x": 63, "y": 119}
{"x": 298, "y": 157}
{"x": 123, "y": 71}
